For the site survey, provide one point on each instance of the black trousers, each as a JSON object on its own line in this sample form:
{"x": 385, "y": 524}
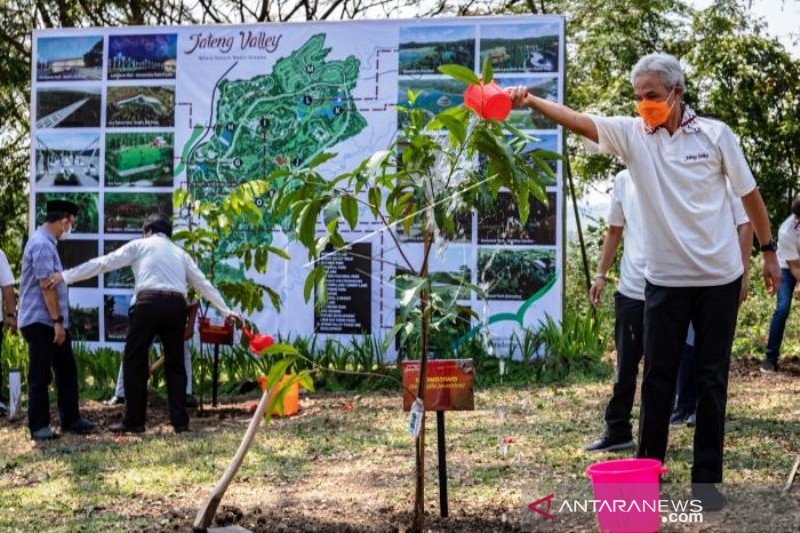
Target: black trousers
{"x": 686, "y": 393}
{"x": 629, "y": 340}
{"x": 668, "y": 311}
{"x": 45, "y": 358}
{"x": 163, "y": 315}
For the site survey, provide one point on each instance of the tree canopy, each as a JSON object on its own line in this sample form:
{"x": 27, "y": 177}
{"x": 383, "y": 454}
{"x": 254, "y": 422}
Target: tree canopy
{"x": 735, "y": 71}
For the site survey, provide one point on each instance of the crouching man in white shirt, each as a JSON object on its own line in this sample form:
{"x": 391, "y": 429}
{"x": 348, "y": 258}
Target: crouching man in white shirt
{"x": 789, "y": 259}
{"x": 163, "y": 273}
{"x": 680, "y": 164}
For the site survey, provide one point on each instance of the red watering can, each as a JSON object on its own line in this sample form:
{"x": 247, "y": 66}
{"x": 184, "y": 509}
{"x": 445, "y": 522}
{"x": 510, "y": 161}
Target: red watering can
{"x": 258, "y": 342}
{"x": 489, "y": 101}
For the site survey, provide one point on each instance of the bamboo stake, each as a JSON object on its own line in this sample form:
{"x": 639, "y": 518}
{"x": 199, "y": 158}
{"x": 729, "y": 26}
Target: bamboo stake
{"x": 791, "y": 475}
{"x": 205, "y": 515}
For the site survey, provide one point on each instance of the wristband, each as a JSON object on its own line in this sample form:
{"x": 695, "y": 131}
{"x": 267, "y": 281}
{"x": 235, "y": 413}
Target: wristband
{"x": 771, "y": 246}
{"x": 600, "y": 276}
{"x": 58, "y": 320}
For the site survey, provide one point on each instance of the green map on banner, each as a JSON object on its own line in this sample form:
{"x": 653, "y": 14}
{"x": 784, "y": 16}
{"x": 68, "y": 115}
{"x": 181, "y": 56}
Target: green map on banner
{"x": 275, "y": 120}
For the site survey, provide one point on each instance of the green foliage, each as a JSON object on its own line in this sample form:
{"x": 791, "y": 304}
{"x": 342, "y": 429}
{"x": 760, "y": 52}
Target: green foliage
{"x": 97, "y": 369}
{"x": 750, "y": 82}
{"x": 420, "y": 181}
{"x": 549, "y": 353}
{"x": 202, "y": 225}
{"x": 14, "y": 354}
{"x": 574, "y": 347}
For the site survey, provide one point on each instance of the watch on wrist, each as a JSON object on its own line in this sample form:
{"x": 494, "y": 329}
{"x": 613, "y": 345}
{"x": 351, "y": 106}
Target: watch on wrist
{"x": 600, "y": 276}
{"x": 58, "y": 320}
{"x": 771, "y": 246}
{"x": 11, "y": 315}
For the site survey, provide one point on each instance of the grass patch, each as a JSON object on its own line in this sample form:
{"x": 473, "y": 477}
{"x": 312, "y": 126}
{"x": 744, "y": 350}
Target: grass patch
{"x": 330, "y": 469}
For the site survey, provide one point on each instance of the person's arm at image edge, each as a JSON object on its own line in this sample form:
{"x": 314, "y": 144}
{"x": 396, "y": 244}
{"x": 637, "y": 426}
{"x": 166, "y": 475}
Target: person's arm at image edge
{"x": 794, "y": 268}
{"x": 757, "y": 213}
{"x": 10, "y": 311}
{"x": 745, "y": 247}
{"x": 610, "y": 244}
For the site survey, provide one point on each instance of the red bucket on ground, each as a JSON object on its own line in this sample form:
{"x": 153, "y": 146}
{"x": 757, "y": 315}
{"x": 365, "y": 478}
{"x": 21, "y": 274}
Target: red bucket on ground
{"x": 628, "y": 494}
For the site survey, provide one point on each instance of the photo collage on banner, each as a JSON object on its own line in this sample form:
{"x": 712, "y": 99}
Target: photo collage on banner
{"x": 123, "y": 116}
{"x": 517, "y": 263}
{"x": 103, "y": 130}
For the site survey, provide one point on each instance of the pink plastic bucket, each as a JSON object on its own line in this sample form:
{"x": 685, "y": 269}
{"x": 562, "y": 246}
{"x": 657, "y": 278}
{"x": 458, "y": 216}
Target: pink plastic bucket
{"x": 627, "y": 494}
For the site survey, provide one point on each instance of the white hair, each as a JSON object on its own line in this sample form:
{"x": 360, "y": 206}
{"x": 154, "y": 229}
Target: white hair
{"x": 664, "y": 65}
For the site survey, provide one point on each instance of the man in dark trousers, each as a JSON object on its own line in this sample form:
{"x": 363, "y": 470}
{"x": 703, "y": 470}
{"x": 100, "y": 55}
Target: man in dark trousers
{"x": 681, "y": 164}
{"x": 625, "y": 222}
{"x": 163, "y": 273}
{"x": 44, "y": 323}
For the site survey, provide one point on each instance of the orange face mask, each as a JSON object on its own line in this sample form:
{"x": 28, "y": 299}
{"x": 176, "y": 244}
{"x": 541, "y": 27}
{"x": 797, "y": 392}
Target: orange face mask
{"x": 655, "y": 113}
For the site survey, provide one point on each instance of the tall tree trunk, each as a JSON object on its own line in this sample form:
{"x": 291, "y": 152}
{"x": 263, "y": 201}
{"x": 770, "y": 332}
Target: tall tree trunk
{"x": 419, "y": 496}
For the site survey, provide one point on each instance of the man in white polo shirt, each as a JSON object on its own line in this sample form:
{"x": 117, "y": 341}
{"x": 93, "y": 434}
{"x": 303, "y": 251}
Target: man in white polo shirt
{"x": 789, "y": 258}
{"x": 624, "y": 222}
{"x": 681, "y": 164}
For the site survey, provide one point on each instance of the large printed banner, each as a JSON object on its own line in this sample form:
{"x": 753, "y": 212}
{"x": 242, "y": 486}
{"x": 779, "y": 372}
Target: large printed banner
{"x": 123, "y": 116}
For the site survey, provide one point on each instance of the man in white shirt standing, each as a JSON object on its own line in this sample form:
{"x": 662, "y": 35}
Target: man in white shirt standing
{"x": 789, "y": 259}
{"x": 163, "y": 273}
{"x": 624, "y": 222}
{"x": 9, "y": 309}
{"x": 681, "y": 164}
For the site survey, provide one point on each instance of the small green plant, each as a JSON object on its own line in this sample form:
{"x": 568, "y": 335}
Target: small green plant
{"x": 14, "y": 355}
{"x": 573, "y": 347}
{"x": 528, "y": 345}
{"x": 97, "y": 369}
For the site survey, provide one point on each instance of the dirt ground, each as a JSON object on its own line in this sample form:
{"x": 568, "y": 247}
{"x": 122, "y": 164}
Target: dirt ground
{"x": 345, "y": 464}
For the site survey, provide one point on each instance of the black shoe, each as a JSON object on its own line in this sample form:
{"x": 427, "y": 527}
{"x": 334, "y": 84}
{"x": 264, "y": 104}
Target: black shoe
{"x": 692, "y": 420}
{"x": 607, "y": 443}
{"x": 679, "y": 417}
{"x": 710, "y": 498}
{"x": 191, "y": 401}
{"x": 769, "y": 367}
{"x": 44, "y": 433}
{"x": 115, "y": 400}
{"x": 81, "y": 427}
{"x": 123, "y": 428}
{"x": 181, "y": 429}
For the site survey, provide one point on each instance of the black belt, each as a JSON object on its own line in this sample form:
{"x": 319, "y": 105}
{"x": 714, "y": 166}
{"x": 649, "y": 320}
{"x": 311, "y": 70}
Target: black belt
{"x": 160, "y": 293}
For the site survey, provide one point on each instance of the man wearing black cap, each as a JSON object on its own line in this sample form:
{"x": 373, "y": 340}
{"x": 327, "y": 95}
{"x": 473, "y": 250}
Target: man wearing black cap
{"x": 44, "y": 323}
{"x": 163, "y": 273}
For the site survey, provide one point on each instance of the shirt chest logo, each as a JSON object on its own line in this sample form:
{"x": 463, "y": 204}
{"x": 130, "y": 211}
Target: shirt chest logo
{"x": 693, "y": 158}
